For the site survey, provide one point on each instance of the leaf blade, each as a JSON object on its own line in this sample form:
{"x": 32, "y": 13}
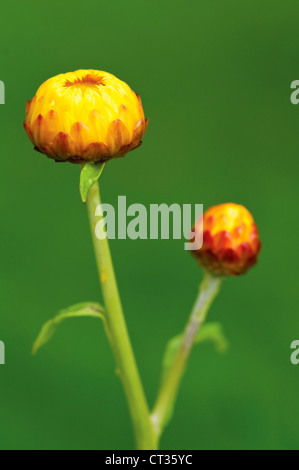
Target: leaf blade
{"x": 213, "y": 332}
{"x": 90, "y": 174}
{"x": 86, "y": 309}
{"x": 209, "y": 332}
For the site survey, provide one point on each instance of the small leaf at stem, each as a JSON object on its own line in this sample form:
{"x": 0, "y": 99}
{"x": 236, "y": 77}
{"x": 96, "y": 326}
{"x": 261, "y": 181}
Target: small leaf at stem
{"x": 87, "y": 309}
{"x": 213, "y": 332}
{"x": 210, "y": 332}
{"x": 90, "y": 174}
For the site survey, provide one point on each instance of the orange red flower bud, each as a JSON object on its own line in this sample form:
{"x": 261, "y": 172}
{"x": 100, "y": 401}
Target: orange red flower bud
{"x": 231, "y": 241}
{"x": 85, "y": 116}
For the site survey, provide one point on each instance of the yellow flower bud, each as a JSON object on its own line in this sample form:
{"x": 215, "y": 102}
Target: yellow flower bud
{"x": 231, "y": 241}
{"x": 85, "y": 116}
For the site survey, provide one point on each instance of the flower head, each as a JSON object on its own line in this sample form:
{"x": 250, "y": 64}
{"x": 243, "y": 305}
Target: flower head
{"x": 85, "y": 116}
{"x": 231, "y": 241}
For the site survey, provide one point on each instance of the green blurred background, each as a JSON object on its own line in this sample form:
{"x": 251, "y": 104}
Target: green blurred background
{"x": 215, "y": 82}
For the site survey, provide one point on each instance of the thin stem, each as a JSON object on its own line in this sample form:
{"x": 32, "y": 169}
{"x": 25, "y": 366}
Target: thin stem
{"x": 166, "y": 399}
{"x": 118, "y": 333}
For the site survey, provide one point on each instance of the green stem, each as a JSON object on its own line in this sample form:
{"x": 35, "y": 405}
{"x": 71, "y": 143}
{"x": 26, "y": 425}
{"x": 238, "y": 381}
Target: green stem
{"x": 169, "y": 390}
{"x": 118, "y": 333}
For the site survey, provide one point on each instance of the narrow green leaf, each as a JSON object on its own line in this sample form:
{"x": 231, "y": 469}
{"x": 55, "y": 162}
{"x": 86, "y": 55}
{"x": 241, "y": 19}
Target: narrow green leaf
{"x": 90, "y": 174}
{"x": 213, "y": 332}
{"x": 86, "y": 309}
{"x": 209, "y": 332}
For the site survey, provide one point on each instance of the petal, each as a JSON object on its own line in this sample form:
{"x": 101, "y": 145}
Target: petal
{"x": 123, "y": 112}
{"x": 239, "y": 231}
{"x": 28, "y": 131}
{"x": 209, "y": 222}
{"x": 54, "y": 124}
{"x": 229, "y": 256}
{"x": 138, "y": 133}
{"x": 97, "y": 126}
{"x": 30, "y": 110}
{"x": 128, "y": 148}
{"x": 39, "y": 131}
{"x": 117, "y": 136}
{"x": 28, "y": 107}
{"x": 64, "y": 146}
{"x": 222, "y": 240}
{"x": 208, "y": 240}
{"x": 47, "y": 151}
{"x": 82, "y": 136}
{"x": 96, "y": 152}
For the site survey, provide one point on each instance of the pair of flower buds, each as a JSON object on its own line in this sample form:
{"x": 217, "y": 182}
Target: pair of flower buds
{"x": 91, "y": 116}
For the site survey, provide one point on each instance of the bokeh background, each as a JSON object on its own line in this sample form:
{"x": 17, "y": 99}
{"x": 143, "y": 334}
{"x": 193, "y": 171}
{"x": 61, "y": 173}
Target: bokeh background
{"x": 215, "y": 81}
